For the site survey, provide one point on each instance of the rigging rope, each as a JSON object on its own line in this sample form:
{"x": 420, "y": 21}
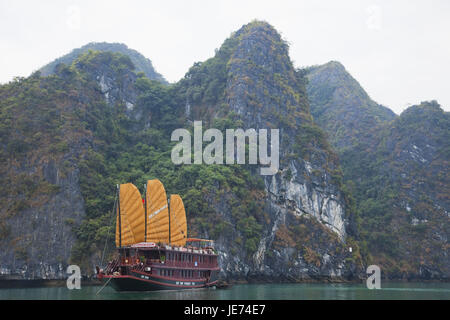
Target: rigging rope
{"x": 107, "y": 236}
{"x": 103, "y": 286}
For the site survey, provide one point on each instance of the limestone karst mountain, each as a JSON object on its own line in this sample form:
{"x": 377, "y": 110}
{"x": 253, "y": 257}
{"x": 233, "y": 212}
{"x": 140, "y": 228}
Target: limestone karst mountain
{"x": 94, "y": 119}
{"x": 141, "y": 63}
{"x": 396, "y": 167}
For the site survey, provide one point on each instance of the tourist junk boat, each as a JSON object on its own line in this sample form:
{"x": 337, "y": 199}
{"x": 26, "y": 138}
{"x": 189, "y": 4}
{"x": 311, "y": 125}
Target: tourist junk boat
{"x": 154, "y": 252}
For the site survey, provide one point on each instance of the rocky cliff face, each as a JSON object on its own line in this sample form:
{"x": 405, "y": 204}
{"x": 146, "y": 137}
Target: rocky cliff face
{"x": 41, "y": 197}
{"x": 395, "y": 167}
{"x": 411, "y": 154}
{"x": 46, "y": 134}
{"x": 40, "y": 238}
{"x": 263, "y": 91}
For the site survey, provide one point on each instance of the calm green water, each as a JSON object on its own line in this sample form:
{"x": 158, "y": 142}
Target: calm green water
{"x": 389, "y": 291}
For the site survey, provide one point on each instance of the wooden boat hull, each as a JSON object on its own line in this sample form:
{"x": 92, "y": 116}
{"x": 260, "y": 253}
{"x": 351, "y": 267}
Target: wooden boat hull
{"x": 137, "y": 281}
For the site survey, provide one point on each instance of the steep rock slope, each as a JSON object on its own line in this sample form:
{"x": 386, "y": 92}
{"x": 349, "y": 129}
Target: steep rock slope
{"x": 251, "y": 82}
{"x": 340, "y": 105}
{"x": 395, "y": 166}
{"x": 50, "y": 128}
{"x": 401, "y": 183}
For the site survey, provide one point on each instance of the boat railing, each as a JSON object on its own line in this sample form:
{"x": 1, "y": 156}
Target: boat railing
{"x": 139, "y": 267}
{"x": 188, "y": 264}
{"x": 130, "y": 260}
{"x": 112, "y": 266}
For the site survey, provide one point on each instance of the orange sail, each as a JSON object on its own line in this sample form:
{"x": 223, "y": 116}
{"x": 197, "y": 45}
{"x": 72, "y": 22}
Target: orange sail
{"x": 130, "y": 216}
{"x": 157, "y": 213}
{"x": 178, "y": 225}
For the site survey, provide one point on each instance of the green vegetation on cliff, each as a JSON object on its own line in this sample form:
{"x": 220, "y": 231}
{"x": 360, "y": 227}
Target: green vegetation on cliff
{"x": 396, "y": 168}
{"x": 141, "y": 63}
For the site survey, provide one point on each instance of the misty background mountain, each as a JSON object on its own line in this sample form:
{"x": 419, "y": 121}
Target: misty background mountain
{"x": 357, "y": 185}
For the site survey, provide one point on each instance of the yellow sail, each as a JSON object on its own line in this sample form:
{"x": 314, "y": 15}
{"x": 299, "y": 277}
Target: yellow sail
{"x": 178, "y": 225}
{"x": 130, "y": 216}
{"x": 157, "y": 213}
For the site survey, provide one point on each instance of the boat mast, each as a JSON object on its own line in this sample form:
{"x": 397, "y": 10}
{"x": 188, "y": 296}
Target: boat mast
{"x": 145, "y": 210}
{"x": 120, "y": 220}
{"x": 168, "y": 210}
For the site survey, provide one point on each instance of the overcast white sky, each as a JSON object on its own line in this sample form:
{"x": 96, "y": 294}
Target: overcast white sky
{"x": 399, "y": 51}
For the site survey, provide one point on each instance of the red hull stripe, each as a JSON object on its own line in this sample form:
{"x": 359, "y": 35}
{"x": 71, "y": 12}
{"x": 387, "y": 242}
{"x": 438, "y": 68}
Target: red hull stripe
{"x": 169, "y": 278}
{"x": 159, "y": 283}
